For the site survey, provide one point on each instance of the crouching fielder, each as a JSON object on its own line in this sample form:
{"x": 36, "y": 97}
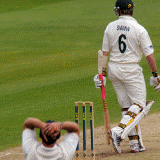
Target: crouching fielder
{"x": 127, "y": 40}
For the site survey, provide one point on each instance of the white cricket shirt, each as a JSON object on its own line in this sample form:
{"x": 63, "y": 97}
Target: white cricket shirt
{"x": 34, "y": 150}
{"x": 126, "y": 40}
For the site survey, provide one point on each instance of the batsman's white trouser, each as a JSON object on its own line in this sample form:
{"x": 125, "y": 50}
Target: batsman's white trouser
{"x": 129, "y": 84}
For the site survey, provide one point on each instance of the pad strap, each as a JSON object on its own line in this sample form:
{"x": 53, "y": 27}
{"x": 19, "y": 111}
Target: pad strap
{"x": 139, "y": 106}
{"x": 123, "y": 126}
{"x": 131, "y": 114}
{"x": 135, "y": 137}
{"x": 124, "y": 109}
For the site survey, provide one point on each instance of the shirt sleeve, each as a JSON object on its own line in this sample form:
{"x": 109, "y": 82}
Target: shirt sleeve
{"x": 70, "y": 142}
{"x": 146, "y": 43}
{"x": 105, "y": 43}
{"x": 28, "y": 140}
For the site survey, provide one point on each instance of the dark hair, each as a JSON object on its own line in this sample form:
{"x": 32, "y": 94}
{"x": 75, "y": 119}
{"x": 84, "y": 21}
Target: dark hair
{"x": 50, "y": 139}
{"x": 126, "y": 12}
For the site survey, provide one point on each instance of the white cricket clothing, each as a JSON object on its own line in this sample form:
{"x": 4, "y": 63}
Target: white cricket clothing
{"x": 128, "y": 82}
{"x": 126, "y": 40}
{"x": 34, "y": 150}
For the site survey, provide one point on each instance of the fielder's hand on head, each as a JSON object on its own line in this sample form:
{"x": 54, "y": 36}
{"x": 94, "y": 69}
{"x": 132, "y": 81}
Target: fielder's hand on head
{"x": 155, "y": 82}
{"x": 53, "y": 129}
{"x": 43, "y": 130}
{"x": 98, "y": 82}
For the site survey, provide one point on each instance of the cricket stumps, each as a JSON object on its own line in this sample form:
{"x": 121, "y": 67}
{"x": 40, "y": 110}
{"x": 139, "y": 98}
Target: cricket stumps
{"x": 84, "y": 128}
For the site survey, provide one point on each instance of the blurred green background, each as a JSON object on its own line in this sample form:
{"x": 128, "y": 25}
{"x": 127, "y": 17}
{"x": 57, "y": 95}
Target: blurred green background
{"x": 48, "y": 57}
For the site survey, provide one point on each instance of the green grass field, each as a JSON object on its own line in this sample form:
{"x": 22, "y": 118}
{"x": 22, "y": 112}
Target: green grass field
{"x": 48, "y": 58}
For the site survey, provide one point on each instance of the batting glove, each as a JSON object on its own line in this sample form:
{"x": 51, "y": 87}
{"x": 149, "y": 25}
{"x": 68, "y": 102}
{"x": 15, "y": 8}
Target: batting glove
{"x": 98, "y": 82}
{"x": 155, "y": 81}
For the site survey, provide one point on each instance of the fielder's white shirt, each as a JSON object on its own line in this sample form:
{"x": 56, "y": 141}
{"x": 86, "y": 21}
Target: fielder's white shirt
{"x": 126, "y": 40}
{"x": 34, "y": 150}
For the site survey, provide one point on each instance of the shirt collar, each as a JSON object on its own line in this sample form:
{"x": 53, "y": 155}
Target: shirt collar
{"x": 47, "y": 148}
{"x": 127, "y": 17}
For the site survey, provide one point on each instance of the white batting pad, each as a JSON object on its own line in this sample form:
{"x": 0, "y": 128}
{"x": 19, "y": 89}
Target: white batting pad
{"x": 137, "y": 119}
{"x": 147, "y": 108}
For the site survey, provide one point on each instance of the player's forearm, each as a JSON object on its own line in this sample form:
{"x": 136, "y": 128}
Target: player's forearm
{"x": 70, "y": 127}
{"x": 32, "y": 123}
{"x": 151, "y": 62}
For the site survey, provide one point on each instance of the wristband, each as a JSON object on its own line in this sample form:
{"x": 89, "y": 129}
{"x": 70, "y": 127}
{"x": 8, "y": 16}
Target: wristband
{"x": 61, "y": 125}
{"x": 155, "y": 74}
{"x": 104, "y": 73}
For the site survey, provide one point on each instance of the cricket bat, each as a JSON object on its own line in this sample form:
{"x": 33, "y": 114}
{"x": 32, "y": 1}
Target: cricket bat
{"x": 105, "y": 107}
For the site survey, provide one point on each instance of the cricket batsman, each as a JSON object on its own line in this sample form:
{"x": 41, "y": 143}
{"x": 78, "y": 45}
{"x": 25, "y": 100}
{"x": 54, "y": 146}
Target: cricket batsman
{"x": 125, "y": 41}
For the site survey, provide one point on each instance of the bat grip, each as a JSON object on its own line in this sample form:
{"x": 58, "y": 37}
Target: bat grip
{"x": 102, "y": 87}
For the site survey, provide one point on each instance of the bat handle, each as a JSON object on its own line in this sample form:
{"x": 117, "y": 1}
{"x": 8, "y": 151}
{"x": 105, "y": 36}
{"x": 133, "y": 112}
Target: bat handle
{"x": 102, "y": 87}
{"x": 105, "y": 109}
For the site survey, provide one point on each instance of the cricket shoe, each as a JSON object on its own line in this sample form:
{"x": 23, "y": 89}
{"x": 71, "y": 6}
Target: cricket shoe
{"x": 115, "y": 141}
{"x": 141, "y": 149}
{"x": 135, "y": 148}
